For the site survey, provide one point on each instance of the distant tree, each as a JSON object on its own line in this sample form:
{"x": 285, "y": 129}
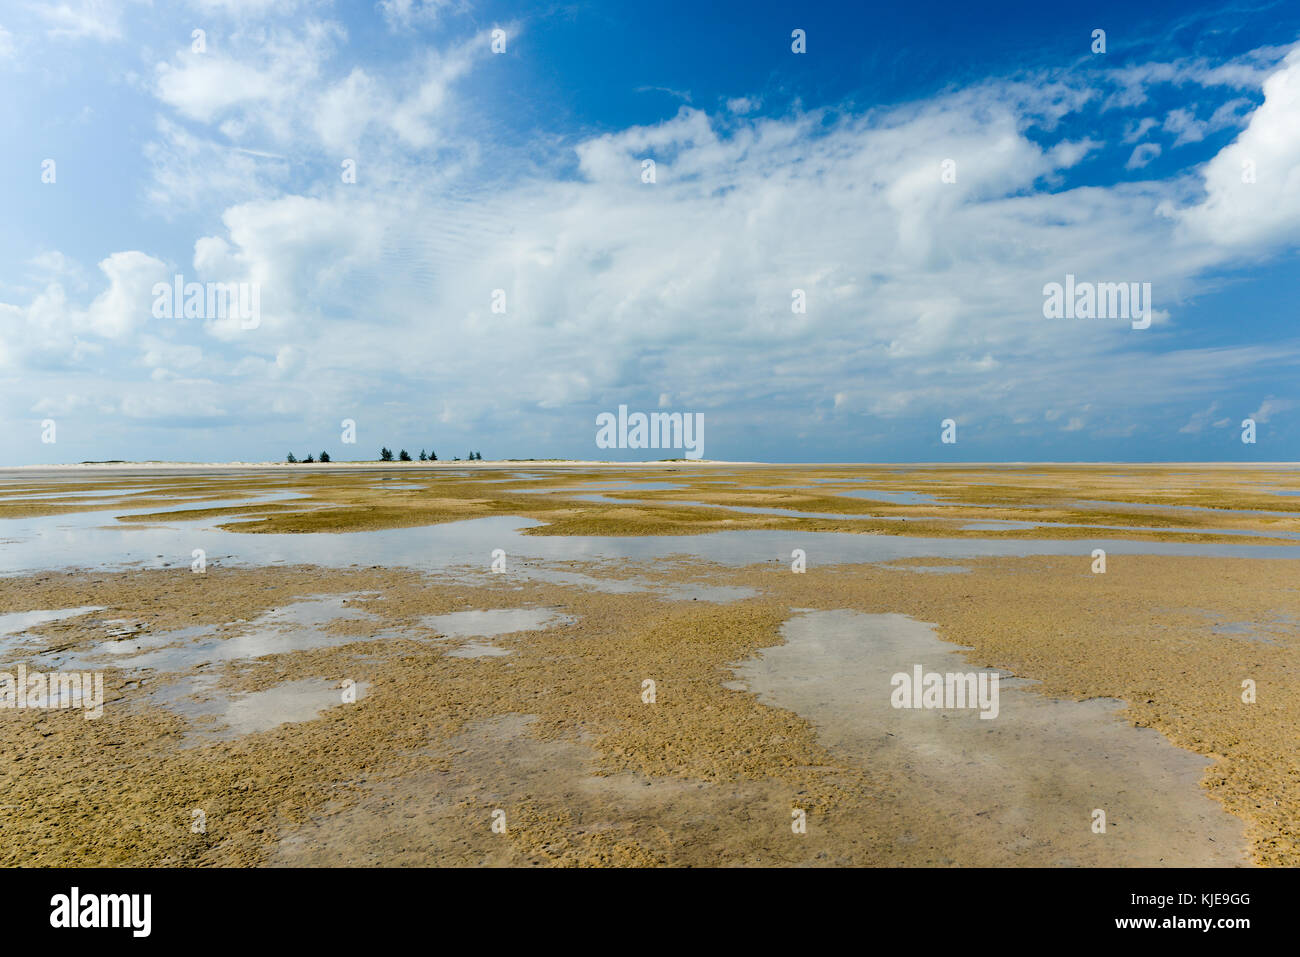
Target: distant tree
{"x": 386, "y": 454}
{"x": 433, "y": 456}
{"x": 290, "y": 458}
{"x": 404, "y": 455}
{"x": 424, "y": 457}
{"x": 309, "y": 458}
{"x": 455, "y": 458}
{"x": 324, "y": 456}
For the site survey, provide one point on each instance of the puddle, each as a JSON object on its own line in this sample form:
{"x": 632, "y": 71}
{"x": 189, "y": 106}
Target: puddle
{"x": 17, "y": 622}
{"x": 295, "y": 627}
{"x": 931, "y": 569}
{"x": 720, "y": 594}
{"x": 477, "y": 649}
{"x": 1276, "y": 630}
{"x": 1029, "y": 779}
{"x": 675, "y": 591}
{"x": 495, "y": 621}
{"x": 894, "y": 497}
{"x": 104, "y": 494}
{"x": 197, "y": 505}
{"x": 222, "y": 718}
{"x": 607, "y": 487}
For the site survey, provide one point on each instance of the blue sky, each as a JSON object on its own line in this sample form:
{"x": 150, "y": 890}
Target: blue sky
{"x": 521, "y": 171}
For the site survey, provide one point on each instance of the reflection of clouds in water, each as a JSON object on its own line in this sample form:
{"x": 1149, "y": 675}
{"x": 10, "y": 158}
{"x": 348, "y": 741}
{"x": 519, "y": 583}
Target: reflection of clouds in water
{"x": 16, "y": 622}
{"x": 1014, "y": 774}
{"x": 82, "y": 540}
{"x": 489, "y": 623}
{"x": 45, "y": 543}
{"x": 294, "y": 627}
{"x": 218, "y": 717}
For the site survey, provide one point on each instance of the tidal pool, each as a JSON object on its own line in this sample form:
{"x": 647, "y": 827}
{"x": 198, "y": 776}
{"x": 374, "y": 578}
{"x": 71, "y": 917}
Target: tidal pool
{"x": 1032, "y": 778}
{"x": 82, "y": 541}
{"x": 215, "y": 717}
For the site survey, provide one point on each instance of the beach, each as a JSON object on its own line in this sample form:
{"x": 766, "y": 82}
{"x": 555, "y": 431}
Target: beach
{"x": 675, "y": 663}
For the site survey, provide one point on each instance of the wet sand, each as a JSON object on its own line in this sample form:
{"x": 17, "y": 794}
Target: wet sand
{"x": 327, "y": 714}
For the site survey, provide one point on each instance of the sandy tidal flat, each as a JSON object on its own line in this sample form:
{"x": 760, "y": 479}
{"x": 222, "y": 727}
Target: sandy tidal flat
{"x": 670, "y": 664}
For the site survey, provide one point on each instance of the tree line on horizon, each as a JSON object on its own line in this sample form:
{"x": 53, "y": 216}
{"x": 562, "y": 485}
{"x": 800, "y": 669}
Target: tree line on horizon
{"x": 386, "y": 455}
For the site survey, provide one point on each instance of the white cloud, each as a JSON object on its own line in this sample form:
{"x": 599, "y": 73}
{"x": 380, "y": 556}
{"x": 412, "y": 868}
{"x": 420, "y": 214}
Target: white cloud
{"x": 1199, "y": 420}
{"x": 1252, "y": 186}
{"x": 1270, "y": 407}
{"x": 922, "y": 294}
{"x": 405, "y": 14}
{"x": 161, "y": 354}
{"x": 87, "y": 19}
{"x": 247, "y": 8}
{"x": 128, "y": 301}
{"x": 1142, "y": 154}
{"x": 261, "y": 88}
{"x": 1190, "y": 129}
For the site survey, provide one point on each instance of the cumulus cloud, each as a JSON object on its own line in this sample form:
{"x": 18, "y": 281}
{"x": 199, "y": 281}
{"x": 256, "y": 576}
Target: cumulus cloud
{"x": 1252, "y": 186}
{"x": 262, "y": 88}
{"x": 923, "y": 290}
{"x": 127, "y": 302}
{"x": 646, "y": 285}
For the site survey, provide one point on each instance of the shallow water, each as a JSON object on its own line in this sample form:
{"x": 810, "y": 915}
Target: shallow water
{"x": 82, "y": 541}
{"x": 17, "y": 622}
{"x": 478, "y": 649}
{"x": 295, "y": 627}
{"x": 105, "y": 494}
{"x": 222, "y": 718}
{"x": 492, "y": 622}
{"x": 1030, "y": 778}
{"x": 201, "y": 504}
{"x": 894, "y": 497}
{"x": 675, "y": 591}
